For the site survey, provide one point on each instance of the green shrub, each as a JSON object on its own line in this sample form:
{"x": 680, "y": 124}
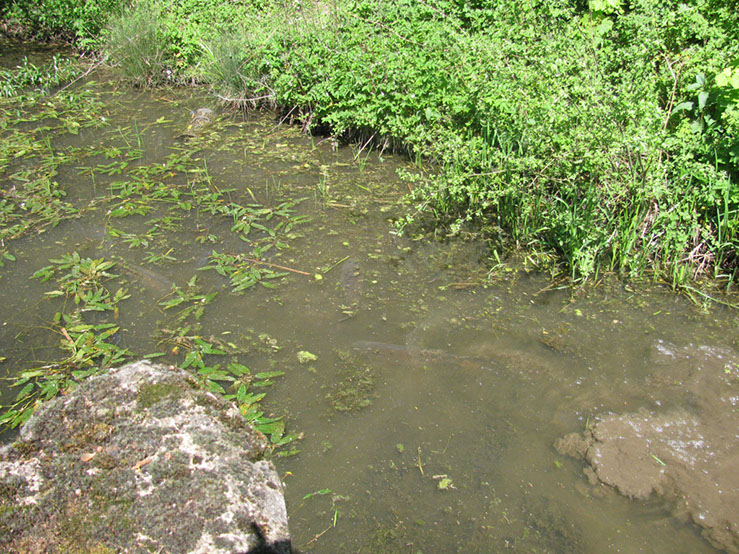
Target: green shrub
{"x": 80, "y": 20}
{"x": 566, "y": 128}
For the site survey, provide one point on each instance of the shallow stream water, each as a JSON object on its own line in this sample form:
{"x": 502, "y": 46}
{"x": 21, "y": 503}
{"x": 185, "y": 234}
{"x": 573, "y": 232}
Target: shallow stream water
{"x": 430, "y": 411}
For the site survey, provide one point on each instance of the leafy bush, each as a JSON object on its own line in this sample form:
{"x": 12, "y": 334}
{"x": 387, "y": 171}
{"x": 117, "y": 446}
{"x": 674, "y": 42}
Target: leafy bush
{"x": 570, "y": 128}
{"x": 71, "y": 19}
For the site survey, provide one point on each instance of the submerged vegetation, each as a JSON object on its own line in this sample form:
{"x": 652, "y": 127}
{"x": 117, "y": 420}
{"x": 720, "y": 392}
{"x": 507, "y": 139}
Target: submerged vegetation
{"x": 130, "y": 206}
{"x": 594, "y": 136}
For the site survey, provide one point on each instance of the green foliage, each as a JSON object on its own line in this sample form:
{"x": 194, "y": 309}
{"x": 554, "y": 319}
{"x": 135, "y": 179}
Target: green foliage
{"x": 32, "y": 199}
{"x": 91, "y": 347}
{"x": 222, "y": 65}
{"x": 70, "y": 19}
{"x": 156, "y": 41}
{"x": 85, "y": 277}
{"x": 242, "y": 272}
{"x": 238, "y": 378}
{"x": 192, "y": 302}
{"x": 41, "y": 79}
{"x": 137, "y": 42}
{"x": 235, "y": 381}
{"x": 549, "y": 125}
{"x": 143, "y": 205}
{"x": 713, "y": 114}
{"x": 202, "y": 20}
{"x": 606, "y": 6}
{"x": 603, "y": 132}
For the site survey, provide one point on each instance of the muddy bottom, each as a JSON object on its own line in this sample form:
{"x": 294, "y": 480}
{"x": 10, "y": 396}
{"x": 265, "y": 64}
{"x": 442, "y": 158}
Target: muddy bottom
{"x": 688, "y": 454}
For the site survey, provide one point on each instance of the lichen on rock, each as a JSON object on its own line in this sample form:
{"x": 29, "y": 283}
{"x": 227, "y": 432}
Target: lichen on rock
{"x": 140, "y": 459}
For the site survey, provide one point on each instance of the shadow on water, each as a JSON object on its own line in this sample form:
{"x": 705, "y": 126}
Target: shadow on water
{"x": 431, "y": 408}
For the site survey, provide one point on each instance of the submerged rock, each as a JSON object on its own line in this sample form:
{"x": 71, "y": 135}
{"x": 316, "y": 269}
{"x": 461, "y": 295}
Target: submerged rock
{"x": 690, "y": 457}
{"x": 142, "y": 459}
{"x": 202, "y": 117}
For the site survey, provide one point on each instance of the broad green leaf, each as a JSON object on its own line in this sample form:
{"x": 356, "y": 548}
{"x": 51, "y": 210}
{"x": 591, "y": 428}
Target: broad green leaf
{"x": 24, "y": 392}
{"x": 241, "y": 394}
{"x": 702, "y": 99}
{"x": 238, "y": 369}
{"x": 269, "y": 374}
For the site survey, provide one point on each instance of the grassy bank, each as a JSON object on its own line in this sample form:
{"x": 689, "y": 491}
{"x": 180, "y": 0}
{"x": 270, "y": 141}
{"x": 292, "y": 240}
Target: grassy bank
{"x": 597, "y": 136}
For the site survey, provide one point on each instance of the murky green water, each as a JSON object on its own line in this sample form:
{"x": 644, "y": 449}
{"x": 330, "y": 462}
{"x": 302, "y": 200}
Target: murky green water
{"x": 432, "y": 406}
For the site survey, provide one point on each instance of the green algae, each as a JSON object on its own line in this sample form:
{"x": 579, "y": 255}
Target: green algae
{"x": 305, "y": 357}
{"x": 155, "y": 392}
{"x": 354, "y": 392}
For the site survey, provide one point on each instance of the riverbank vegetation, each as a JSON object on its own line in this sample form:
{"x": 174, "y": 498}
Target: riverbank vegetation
{"x": 596, "y": 137}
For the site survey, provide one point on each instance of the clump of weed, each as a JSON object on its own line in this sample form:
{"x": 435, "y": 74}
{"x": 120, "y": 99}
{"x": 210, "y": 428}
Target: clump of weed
{"x": 135, "y": 40}
{"x": 355, "y": 391}
{"x": 28, "y": 76}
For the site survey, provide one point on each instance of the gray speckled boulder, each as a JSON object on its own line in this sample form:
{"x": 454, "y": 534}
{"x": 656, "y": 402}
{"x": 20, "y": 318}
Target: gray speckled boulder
{"x": 140, "y": 460}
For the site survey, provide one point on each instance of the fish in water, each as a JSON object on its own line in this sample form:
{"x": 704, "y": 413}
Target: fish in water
{"x": 151, "y": 280}
{"x": 415, "y": 354}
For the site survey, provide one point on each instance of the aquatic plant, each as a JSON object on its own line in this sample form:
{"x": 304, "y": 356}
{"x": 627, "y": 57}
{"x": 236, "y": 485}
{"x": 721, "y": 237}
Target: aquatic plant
{"x": 42, "y": 79}
{"x": 91, "y": 346}
{"x": 31, "y": 198}
{"x": 142, "y": 206}
{"x": 239, "y": 379}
